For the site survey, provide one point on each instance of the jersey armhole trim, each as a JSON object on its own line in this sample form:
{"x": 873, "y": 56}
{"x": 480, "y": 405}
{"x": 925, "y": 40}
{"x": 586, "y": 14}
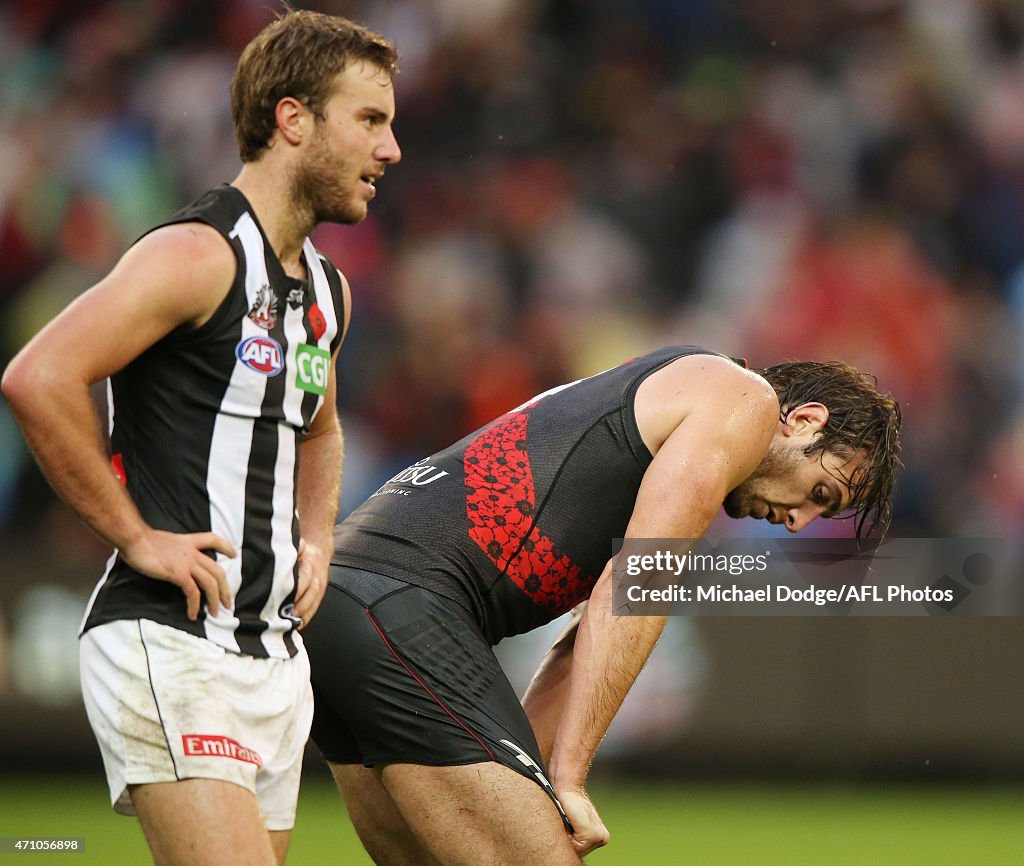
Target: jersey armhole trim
{"x": 628, "y": 408}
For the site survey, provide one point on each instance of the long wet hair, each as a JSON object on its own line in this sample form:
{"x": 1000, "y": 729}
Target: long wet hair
{"x": 860, "y": 419}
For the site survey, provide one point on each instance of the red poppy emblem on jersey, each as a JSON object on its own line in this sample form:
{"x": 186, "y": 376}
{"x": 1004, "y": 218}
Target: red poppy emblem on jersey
{"x": 261, "y": 354}
{"x": 317, "y": 321}
{"x": 501, "y": 506}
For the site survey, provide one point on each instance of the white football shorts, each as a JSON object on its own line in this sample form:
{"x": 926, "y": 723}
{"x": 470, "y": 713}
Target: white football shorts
{"x": 166, "y": 705}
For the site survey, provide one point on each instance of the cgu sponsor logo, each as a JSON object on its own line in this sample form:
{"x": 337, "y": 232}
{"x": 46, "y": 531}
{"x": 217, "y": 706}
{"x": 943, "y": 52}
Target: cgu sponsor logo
{"x": 218, "y": 746}
{"x": 261, "y": 354}
{"x": 419, "y": 474}
{"x": 313, "y": 367}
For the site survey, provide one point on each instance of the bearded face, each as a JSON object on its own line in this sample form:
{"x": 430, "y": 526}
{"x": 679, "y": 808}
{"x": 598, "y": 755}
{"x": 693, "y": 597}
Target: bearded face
{"x": 753, "y": 497}
{"x": 350, "y": 146}
{"x": 328, "y": 184}
{"x": 792, "y": 488}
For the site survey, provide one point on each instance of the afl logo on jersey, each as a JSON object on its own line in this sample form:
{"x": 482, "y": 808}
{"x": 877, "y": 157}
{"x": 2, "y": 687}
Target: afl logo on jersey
{"x": 262, "y": 354}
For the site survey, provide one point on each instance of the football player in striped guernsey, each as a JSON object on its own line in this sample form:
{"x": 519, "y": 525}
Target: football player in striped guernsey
{"x": 218, "y": 332}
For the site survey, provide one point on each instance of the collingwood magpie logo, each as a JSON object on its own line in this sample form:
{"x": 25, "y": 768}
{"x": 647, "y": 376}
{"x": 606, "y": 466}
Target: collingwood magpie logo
{"x": 263, "y": 311}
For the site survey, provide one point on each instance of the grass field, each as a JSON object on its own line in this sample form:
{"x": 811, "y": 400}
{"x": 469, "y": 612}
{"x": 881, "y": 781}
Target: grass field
{"x": 702, "y": 824}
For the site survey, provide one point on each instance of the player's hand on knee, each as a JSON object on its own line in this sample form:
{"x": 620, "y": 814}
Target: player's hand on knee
{"x": 314, "y": 563}
{"x": 182, "y": 559}
{"x": 589, "y": 831}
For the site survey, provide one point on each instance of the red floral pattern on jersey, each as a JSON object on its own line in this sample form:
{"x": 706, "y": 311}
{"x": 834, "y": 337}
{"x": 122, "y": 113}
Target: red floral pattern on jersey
{"x": 501, "y": 504}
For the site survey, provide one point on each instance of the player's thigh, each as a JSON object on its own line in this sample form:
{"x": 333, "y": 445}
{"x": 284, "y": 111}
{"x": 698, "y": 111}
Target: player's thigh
{"x": 280, "y": 840}
{"x": 479, "y": 813}
{"x": 404, "y": 677}
{"x": 378, "y": 822}
{"x": 202, "y": 822}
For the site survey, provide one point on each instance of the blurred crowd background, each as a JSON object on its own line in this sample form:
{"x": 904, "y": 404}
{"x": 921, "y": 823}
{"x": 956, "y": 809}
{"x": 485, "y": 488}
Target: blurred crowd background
{"x": 582, "y": 181}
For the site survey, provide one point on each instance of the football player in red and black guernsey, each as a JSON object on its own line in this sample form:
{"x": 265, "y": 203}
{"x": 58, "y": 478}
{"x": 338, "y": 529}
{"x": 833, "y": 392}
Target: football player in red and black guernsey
{"x": 436, "y": 758}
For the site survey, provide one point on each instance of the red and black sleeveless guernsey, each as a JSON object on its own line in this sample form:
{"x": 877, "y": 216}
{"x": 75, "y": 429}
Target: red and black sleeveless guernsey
{"x": 204, "y": 429}
{"x": 516, "y": 521}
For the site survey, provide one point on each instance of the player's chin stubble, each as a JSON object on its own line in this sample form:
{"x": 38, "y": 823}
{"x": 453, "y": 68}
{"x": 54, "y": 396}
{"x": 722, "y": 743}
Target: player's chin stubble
{"x": 316, "y": 191}
{"x": 776, "y": 463}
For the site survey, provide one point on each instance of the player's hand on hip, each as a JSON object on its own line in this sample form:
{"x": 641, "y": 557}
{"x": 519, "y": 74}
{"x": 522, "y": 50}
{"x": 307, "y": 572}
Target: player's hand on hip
{"x": 181, "y": 559}
{"x": 589, "y": 831}
{"x": 314, "y": 562}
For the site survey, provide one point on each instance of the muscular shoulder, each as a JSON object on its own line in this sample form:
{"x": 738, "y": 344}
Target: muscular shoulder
{"x": 190, "y": 265}
{"x": 194, "y": 238}
{"x": 176, "y": 275}
{"x": 702, "y": 385}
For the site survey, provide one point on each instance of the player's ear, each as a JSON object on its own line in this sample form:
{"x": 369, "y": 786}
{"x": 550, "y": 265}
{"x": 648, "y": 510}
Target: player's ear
{"x": 290, "y": 115}
{"x": 807, "y": 419}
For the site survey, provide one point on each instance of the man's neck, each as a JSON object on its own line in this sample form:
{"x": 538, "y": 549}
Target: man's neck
{"x": 268, "y": 190}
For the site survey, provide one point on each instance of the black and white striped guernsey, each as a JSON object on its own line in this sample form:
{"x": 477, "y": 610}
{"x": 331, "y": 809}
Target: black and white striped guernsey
{"x": 205, "y": 428}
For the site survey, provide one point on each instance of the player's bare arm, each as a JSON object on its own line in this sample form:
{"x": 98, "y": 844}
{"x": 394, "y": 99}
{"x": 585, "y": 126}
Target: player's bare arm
{"x": 708, "y": 424}
{"x": 322, "y": 453}
{"x": 544, "y": 699}
{"x": 175, "y": 276}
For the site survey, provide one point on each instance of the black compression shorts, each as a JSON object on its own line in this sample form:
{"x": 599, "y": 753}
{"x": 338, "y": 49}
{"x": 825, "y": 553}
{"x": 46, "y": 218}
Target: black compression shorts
{"x": 403, "y": 675}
